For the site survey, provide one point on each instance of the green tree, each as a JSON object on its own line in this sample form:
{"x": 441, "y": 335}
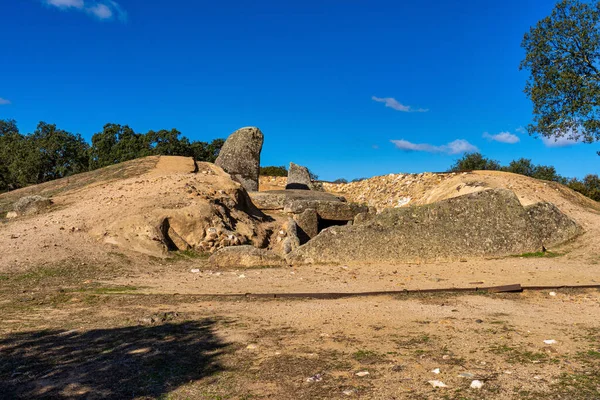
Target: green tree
{"x": 472, "y": 162}
{"x": 274, "y": 171}
{"x": 167, "y": 143}
{"x": 57, "y": 153}
{"x": 340, "y": 180}
{"x": 213, "y": 149}
{"x": 116, "y": 144}
{"x": 9, "y": 139}
{"x": 547, "y": 173}
{"x": 563, "y": 58}
{"x": 592, "y": 184}
{"x": 203, "y": 151}
{"x": 522, "y": 166}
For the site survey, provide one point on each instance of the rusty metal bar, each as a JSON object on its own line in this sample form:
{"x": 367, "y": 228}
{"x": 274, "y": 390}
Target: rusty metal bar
{"x": 513, "y": 288}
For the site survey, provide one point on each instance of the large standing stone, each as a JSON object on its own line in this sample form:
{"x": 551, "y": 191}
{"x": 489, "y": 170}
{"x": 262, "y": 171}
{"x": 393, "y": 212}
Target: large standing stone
{"x": 240, "y": 156}
{"x": 298, "y": 177}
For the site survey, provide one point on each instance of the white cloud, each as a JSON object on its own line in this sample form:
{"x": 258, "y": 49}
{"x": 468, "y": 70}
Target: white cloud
{"x": 502, "y": 137}
{"x": 455, "y": 147}
{"x": 562, "y": 141}
{"x": 521, "y": 130}
{"x": 396, "y": 105}
{"x": 66, "y": 3}
{"x": 4, "y": 102}
{"x": 101, "y": 9}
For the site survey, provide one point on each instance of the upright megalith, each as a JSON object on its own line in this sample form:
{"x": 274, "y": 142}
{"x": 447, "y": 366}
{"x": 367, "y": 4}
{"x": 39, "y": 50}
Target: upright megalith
{"x": 298, "y": 177}
{"x": 240, "y": 156}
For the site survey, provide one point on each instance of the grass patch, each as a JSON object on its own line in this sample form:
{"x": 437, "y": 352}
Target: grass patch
{"x": 190, "y": 254}
{"x": 515, "y": 355}
{"x": 367, "y": 356}
{"x": 42, "y": 273}
{"x": 577, "y": 386}
{"x": 107, "y": 290}
{"x": 540, "y": 254}
{"x": 414, "y": 341}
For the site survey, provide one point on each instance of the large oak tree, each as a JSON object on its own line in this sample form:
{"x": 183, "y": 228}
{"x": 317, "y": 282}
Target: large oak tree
{"x": 563, "y": 58}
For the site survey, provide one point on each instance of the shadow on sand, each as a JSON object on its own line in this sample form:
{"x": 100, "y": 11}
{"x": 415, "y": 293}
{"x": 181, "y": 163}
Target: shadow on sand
{"x": 119, "y": 363}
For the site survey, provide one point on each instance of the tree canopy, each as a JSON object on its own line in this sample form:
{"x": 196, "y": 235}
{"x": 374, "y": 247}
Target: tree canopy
{"x": 563, "y": 58}
{"x": 51, "y": 153}
{"x": 589, "y": 186}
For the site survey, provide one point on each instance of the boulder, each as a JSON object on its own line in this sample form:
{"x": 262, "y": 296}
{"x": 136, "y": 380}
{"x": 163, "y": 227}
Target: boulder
{"x": 272, "y": 200}
{"x": 552, "y": 225}
{"x": 329, "y": 210}
{"x": 245, "y": 257}
{"x": 308, "y": 224}
{"x": 240, "y": 156}
{"x": 298, "y": 178}
{"x": 483, "y": 224}
{"x": 285, "y": 239}
{"x": 31, "y": 205}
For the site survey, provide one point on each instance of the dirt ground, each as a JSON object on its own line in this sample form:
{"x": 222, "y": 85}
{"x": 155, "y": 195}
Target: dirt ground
{"x": 84, "y": 320}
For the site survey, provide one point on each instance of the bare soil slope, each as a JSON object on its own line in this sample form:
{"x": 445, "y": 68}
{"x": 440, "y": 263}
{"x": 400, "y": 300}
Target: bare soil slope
{"x": 91, "y": 320}
{"x": 121, "y": 207}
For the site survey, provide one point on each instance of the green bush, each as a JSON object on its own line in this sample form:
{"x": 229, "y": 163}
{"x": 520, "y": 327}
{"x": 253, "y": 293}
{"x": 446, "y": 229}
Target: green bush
{"x": 274, "y": 171}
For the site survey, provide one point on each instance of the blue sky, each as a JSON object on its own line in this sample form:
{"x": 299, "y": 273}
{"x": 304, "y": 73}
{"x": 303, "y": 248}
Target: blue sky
{"x": 348, "y": 88}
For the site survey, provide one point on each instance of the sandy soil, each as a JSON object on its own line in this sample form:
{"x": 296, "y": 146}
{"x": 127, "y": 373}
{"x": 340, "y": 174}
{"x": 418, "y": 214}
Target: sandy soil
{"x": 83, "y": 319}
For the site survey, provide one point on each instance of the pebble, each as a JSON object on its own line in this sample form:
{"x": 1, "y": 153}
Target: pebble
{"x": 348, "y": 392}
{"x": 436, "y": 371}
{"x": 476, "y": 384}
{"x": 315, "y": 378}
{"x": 362, "y": 373}
{"x": 437, "y": 384}
{"x": 194, "y": 270}
{"x": 552, "y": 294}
{"x": 252, "y": 347}
{"x": 550, "y": 341}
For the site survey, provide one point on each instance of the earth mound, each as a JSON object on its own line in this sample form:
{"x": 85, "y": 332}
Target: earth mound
{"x": 159, "y": 204}
{"x": 151, "y": 206}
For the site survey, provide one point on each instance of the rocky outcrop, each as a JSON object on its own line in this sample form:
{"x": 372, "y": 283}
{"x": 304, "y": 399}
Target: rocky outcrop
{"x": 274, "y": 200}
{"x": 487, "y": 223}
{"x": 312, "y": 210}
{"x": 245, "y": 257}
{"x": 31, "y": 205}
{"x": 204, "y": 211}
{"x": 329, "y": 210}
{"x": 298, "y": 178}
{"x": 552, "y": 225}
{"x": 240, "y": 156}
{"x": 286, "y": 238}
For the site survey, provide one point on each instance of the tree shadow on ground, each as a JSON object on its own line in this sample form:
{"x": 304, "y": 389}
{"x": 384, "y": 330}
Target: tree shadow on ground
{"x": 118, "y": 363}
